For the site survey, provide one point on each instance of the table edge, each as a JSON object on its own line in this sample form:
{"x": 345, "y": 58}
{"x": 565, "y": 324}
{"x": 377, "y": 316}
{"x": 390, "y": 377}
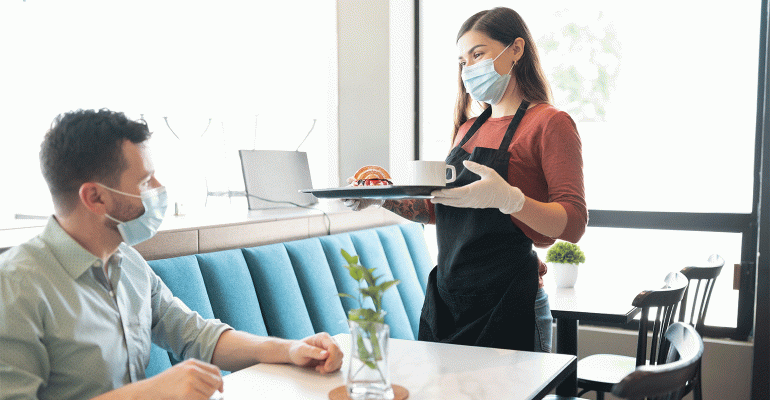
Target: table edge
{"x": 558, "y": 379}
{"x": 586, "y": 316}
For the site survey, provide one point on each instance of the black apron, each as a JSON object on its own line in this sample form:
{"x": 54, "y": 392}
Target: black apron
{"x": 482, "y": 293}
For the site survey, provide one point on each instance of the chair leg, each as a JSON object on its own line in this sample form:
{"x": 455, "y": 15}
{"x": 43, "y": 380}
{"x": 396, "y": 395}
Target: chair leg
{"x": 698, "y": 394}
{"x": 599, "y": 395}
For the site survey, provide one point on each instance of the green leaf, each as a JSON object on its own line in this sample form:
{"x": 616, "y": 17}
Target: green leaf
{"x": 370, "y": 292}
{"x": 368, "y": 276}
{"x": 356, "y": 271}
{"x": 379, "y": 317}
{"x": 371, "y": 365}
{"x": 355, "y": 314}
{"x": 350, "y": 259}
{"x": 346, "y": 295}
{"x": 362, "y": 314}
{"x": 376, "y": 352}
{"x": 386, "y": 285}
{"x": 363, "y": 353}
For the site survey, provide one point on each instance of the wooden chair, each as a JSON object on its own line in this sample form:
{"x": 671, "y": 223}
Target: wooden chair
{"x": 698, "y": 305}
{"x": 696, "y": 299}
{"x": 667, "y": 381}
{"x": 600, "y": 372}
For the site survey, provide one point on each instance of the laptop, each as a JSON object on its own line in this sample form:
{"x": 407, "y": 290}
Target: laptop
{"x": 273, "y": 178}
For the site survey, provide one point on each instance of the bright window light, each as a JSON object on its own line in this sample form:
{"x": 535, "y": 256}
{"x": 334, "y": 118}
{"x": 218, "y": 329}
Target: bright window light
{"x": 210, "y": 78}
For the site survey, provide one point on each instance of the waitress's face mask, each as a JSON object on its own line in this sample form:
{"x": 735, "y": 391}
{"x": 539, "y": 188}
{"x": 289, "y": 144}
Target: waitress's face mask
{"x": 483, "y": 83}
{"x": 155, "y": 202}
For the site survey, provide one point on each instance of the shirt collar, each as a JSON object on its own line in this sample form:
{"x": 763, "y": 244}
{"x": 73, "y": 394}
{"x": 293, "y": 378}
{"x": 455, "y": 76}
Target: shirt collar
{"x": 71, "y": 255}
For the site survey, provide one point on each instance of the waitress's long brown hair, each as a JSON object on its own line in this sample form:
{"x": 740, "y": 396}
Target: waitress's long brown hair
{"x": 504, "y": 25}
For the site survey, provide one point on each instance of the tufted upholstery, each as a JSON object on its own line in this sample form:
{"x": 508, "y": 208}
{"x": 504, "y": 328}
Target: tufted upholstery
{"x": 290, "y": 289}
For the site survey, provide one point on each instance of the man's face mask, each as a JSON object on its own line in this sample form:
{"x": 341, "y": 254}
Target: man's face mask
{"x": 155, "y": 202}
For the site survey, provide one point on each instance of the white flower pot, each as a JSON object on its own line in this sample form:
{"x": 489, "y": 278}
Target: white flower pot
{"x": 565, "y": 274}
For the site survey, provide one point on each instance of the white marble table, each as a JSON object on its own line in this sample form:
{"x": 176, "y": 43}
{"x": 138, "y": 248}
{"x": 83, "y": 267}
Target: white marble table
{"x": 427, "y": 370}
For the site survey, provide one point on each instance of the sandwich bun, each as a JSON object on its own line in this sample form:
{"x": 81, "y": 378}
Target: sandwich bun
{"x": 371, "y": 175}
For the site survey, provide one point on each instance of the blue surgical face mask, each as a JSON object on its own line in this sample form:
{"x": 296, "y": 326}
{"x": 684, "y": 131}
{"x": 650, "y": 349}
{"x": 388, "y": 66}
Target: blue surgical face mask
{"x": 483, "y": 83}
{"x": 155, "y": 202}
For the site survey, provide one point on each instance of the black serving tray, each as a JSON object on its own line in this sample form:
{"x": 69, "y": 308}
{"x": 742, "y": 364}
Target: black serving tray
{"x": 375, "y": 192}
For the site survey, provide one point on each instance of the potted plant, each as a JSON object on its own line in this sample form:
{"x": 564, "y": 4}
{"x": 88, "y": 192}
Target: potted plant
{"x": 565, "y": 257}
{"x": 368, "y": 374}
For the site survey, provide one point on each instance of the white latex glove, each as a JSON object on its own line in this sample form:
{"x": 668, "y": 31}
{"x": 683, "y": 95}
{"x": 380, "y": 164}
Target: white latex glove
{"x": 360, "y": 204}
{"x": 491, "y": 191}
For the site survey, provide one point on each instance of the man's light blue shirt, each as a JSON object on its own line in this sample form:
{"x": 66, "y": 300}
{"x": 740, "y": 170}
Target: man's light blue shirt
{"x": 68, "y": 331}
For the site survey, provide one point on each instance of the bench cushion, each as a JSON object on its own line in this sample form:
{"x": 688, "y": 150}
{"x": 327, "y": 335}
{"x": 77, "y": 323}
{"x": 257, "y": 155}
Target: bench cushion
{"x": 231, "y": 290}
{"x": 282, "y": 303}
{"x": 317, "y": 285}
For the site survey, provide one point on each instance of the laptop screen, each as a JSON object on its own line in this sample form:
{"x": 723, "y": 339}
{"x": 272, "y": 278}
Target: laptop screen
{"x": 278, "y": 176}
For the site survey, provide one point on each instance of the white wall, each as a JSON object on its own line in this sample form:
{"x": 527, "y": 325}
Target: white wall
{"x": 364, "y": 102}
{"x": 376, "y": 77}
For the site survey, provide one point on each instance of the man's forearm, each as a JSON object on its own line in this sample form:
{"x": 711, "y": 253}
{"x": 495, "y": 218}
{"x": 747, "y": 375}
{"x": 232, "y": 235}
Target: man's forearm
{"x": 413, "y": 210}
{"x": 237, "y": 350}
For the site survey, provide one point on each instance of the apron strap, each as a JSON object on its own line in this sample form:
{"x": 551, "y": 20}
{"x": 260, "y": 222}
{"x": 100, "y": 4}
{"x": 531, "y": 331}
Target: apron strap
{"x": 476, "y": 125}
{"x": 508, "y": 133}
{"x": 513, "y": 125}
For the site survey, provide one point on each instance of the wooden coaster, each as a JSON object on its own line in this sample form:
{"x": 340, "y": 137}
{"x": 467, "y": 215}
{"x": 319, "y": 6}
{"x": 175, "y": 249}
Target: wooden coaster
{"x": 341, "y": 393}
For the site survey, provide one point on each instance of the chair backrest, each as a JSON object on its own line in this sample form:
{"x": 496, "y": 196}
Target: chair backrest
{"x": 666, "y": 300}
{"x": 667, "y": 381}
{"x": 698, "y": 293}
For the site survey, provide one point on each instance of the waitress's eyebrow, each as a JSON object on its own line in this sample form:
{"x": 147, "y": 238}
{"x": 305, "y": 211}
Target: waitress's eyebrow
{"x": 471, "y": 50}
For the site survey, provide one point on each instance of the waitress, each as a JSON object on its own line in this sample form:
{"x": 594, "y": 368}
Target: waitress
{"x": 519, "y": 183}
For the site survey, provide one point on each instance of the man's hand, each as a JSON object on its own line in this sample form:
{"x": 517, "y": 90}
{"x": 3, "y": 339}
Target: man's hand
{"x": 491, "y": 191}
{"x": 319, "y": 351}
{"x": 190, "y": 379}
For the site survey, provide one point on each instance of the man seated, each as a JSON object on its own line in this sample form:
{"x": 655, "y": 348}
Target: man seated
{"x": 79, "y": 306}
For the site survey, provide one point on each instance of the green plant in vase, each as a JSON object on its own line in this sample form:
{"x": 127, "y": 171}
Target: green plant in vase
{"x": 369, "y": 334}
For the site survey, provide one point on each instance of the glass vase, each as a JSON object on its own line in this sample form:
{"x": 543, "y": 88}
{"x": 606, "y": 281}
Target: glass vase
{"x": 368, "y": 373}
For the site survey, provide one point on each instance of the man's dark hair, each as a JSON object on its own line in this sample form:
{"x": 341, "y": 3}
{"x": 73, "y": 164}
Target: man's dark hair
{"x": 85, "y": 146}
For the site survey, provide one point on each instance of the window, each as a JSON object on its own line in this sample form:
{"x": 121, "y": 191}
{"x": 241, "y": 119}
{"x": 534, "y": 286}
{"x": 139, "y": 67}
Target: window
{"x": 209, "y": 78}
{"x": 666, "y": 117}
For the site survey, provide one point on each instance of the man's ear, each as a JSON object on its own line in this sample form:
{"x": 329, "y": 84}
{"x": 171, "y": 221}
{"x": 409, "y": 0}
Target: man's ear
{"x": 91, "y": 196}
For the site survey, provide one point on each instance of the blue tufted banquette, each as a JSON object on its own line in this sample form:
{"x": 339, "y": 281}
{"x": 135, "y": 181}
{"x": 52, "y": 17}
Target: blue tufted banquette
{"x": 289, "y": 289}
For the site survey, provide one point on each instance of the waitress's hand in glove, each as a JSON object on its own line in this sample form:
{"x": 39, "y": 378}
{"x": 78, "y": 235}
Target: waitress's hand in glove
{"x": 360, "y": 204}
{"x": 491, "y": 191}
